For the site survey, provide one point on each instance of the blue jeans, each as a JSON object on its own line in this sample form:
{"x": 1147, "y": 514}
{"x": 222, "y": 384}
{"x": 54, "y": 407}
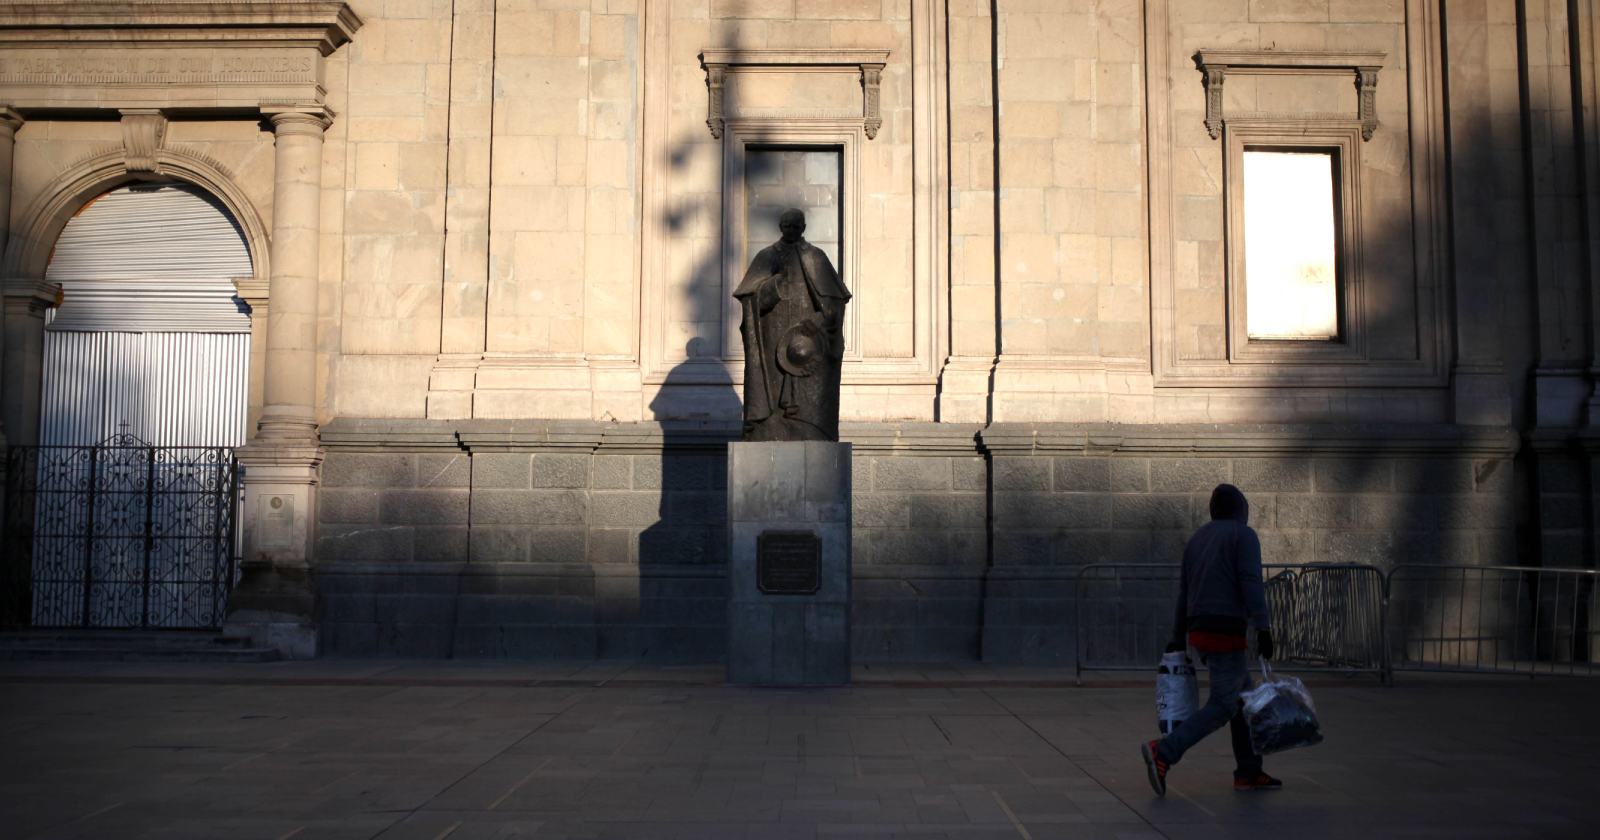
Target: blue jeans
{"x": 1230, "y": 677}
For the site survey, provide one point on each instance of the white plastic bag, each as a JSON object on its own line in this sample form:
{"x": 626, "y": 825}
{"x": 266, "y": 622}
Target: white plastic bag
{"x": 1280, "y": 714}
{"x": 1177, "y": 691}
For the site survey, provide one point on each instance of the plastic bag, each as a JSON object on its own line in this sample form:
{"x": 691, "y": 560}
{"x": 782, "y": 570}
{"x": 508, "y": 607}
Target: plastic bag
{"x": 1280, "y": 714}
{"x": 1177, "y": 691}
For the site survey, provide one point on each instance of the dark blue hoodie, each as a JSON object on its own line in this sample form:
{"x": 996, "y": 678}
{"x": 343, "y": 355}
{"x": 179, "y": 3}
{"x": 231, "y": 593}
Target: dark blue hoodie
{"x": 1221, "y": 589}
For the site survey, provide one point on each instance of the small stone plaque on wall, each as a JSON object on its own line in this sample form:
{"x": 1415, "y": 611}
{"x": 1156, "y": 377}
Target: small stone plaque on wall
{"x": 788, "y": 563}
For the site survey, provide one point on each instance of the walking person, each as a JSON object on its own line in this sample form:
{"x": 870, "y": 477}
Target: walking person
{"x": 1221, "y": 598}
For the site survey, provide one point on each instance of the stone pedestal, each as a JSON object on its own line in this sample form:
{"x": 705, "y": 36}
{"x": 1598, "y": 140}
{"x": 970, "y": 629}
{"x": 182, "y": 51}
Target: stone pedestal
{"x": 274, "y": 602}
{"x": 789, "y": 563}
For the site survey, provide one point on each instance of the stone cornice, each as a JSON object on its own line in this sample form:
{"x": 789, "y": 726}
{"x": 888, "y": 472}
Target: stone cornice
{"x": 679, "y": 435}
{"x": 943, "y": 439}
{"x": 1216, "y": 64}
{"x": 348, "y": 434}
{"x": 718, "y": 62}
{"x": 912, "y": 438}
{"x": 1245, "y": 440}
{"x": 329, "y": 23}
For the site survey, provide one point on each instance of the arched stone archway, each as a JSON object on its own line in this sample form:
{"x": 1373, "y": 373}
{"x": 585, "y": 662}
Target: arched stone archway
{"x": 28, "y": 252}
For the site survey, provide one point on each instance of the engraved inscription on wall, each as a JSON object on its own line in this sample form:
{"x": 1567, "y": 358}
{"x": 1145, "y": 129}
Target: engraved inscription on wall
{"x": 144, "y": 67}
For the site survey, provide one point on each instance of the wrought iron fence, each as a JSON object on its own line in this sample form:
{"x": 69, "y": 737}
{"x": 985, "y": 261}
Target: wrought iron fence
{"x": 121, "y": 534}
{"x": 1499, "y": 619}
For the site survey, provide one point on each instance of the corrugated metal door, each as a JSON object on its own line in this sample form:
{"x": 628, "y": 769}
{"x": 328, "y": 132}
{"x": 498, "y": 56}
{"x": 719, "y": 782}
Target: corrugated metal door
{"x": 150, "y": 338}
{"x": 151, "y": 346}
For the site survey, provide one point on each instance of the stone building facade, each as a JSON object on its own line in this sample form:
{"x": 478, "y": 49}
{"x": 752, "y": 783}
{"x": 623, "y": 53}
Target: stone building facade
{"x": 495, "y": 357}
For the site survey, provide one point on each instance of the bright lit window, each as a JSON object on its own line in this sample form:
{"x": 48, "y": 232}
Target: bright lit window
{"x": 1290, "y": 245}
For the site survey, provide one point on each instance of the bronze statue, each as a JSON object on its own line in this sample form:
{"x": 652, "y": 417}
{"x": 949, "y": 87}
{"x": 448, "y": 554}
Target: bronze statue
{"x": 793, "y": 304}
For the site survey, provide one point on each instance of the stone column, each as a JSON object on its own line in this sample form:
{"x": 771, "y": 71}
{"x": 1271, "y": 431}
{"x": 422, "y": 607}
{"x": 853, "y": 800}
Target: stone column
{"x": 13, "y": 605}
{"x": 274, "y": 600}
{"x": 10, "y": 121}
{"x": 289, "y": 413}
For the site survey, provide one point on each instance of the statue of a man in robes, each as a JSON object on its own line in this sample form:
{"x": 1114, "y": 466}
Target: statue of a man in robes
{"x": 793, "y": 304}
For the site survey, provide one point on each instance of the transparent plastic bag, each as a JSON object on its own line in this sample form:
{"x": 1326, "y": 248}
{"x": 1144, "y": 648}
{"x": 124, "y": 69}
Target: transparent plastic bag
{"x": 1177, "y": 691}
{"x": 1280, "y": 714}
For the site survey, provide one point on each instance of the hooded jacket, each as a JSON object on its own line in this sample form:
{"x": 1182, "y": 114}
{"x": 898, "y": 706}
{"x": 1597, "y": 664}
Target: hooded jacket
{"x": 1221, "y": 590}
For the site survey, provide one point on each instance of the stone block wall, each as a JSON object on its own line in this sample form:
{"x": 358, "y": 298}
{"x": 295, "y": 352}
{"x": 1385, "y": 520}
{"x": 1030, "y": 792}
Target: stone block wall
{"x": 610, "y": 540}
{"x": 921, "y": 541}
{"x": 1066, "y": 498}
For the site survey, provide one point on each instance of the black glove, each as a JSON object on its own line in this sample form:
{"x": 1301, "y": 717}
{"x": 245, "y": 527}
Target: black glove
{"x": 1176, "y": 647}
{"x": 1264, "y": 643}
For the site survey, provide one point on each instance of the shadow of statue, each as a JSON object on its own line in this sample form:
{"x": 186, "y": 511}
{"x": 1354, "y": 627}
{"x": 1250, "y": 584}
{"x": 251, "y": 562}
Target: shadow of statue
{"x": 680, "y": 614}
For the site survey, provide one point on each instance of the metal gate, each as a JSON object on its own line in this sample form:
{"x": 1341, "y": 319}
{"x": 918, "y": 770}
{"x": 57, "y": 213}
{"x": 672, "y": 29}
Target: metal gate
{"x": 119, "y": 534}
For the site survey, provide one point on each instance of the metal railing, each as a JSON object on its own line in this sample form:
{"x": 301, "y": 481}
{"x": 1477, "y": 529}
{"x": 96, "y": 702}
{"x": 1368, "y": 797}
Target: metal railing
{"x": 1494, "y": 619}
{"x": 1325, "y": 616}
{"x": 1355, "y": 618}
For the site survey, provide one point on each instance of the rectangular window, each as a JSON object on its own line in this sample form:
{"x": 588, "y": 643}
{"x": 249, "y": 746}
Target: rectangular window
{"x": 1291, "y": 247}
{"x": 777, "y": 178}
{"x": 1293, "y": 241}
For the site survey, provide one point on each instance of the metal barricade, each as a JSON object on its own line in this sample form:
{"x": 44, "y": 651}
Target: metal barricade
{"x": 1325, "y": 616}
{"x": 1333, "y": 618}
{"x": 1494, "y": 619}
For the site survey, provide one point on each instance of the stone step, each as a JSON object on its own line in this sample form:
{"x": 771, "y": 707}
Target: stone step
{"x": 129, "y": 646}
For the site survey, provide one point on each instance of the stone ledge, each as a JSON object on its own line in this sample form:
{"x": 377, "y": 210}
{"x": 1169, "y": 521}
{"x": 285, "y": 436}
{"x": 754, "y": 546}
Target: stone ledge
{"x": 358, "y": 434}
{"x": 1226, "y": 440}
{"x": 949, "y": 439}
{"x": 912, "y": 438}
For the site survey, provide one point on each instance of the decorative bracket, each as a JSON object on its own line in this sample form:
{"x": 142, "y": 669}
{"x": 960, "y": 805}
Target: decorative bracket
{"x": 1215, "y": 64}
{"x": 144, "y": 131}
{"x": 869, "y": 63}
{"x": 1215, "y": 75}
{"x": 716, "y": 77}
{"x": 1366, "y": 100}
{"x": 871, "y": 80}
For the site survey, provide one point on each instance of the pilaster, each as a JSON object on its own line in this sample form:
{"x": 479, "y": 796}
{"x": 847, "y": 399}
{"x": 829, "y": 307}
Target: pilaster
{"x": 25, "y": 305}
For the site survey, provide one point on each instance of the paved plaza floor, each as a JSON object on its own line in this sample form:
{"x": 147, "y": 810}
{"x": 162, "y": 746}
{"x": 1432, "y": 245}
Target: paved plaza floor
{"x": 342, "y": 749}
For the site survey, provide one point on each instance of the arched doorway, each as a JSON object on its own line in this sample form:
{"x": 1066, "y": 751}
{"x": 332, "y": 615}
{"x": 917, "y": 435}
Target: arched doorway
{"x": 150, "y": 339}
{"x": 144, "y": 395}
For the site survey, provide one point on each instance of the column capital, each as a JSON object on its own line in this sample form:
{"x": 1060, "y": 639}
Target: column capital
{"x": 298, "y": 119}
{"x": 10, "y": 120}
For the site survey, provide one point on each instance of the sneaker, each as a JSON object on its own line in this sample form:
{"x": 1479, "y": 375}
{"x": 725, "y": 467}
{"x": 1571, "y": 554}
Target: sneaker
{"x": 1260, "y": 781}
{"x": 1155, "y": 766}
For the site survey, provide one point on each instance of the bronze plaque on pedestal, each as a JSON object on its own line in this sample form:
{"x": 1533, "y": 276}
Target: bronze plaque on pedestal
{"x": 788, "y": 563}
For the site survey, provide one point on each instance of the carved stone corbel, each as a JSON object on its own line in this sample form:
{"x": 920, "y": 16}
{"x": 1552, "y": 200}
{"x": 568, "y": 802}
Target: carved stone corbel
{"x": 1366, "y": 100}
{"x": 1215, "y": 75}
{"x": 871, "y": 80}
{"x": 716, "y": 77}
{"x": 144, "y": 130}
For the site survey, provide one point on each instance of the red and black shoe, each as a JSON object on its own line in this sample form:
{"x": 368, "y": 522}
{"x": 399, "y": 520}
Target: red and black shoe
{"x": 1260, "y": 781}
{"x": 1155, "y": 766}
